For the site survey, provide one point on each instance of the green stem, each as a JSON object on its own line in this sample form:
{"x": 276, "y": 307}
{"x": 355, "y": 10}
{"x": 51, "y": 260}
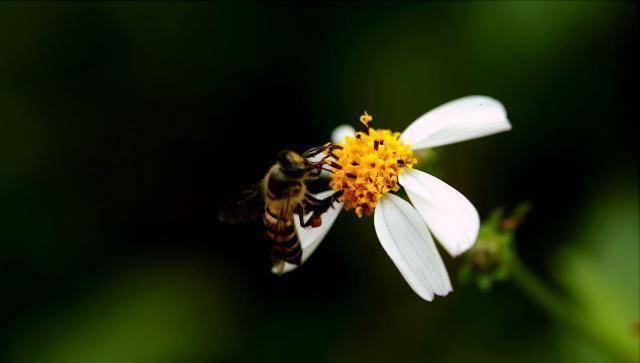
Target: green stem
{"x": 538, "y": 292}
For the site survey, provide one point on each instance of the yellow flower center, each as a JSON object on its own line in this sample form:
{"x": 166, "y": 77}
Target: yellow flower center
{"x": 368, "y": 167}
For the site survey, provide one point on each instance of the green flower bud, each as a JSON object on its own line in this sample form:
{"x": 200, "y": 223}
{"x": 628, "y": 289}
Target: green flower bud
{"x": 490, "y": 260}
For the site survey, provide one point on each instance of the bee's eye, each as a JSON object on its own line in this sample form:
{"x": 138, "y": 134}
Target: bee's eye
{"x": 283, "y": 159}
{"x": 293, "y": 165}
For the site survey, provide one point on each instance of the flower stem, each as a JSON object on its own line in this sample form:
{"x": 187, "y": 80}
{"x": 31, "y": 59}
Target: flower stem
{"x": 558, "y": 308}
{"x": 539, "y": 293}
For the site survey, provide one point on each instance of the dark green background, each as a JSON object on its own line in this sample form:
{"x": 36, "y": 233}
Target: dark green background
{"x": 123, "y": 127}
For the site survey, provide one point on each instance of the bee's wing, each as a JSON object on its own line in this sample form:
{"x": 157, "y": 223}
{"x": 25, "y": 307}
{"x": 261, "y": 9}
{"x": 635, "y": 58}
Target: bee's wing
{"x": 244, "y": 207}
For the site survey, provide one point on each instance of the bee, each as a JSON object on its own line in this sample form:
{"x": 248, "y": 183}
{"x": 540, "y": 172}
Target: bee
{"x": 281, "y": 195}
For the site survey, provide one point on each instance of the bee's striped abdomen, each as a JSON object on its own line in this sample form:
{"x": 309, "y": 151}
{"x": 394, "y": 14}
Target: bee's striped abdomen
{"x": 285, "y": 244}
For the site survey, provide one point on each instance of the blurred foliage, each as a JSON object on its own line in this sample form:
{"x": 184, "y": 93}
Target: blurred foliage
{"x": 167, "y": 315}
{"x": 601, "y": 272}
{"x": 602, "y": 312}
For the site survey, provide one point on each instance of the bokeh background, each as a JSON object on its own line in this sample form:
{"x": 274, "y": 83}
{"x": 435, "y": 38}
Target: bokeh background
{"x": 124, "y": 126}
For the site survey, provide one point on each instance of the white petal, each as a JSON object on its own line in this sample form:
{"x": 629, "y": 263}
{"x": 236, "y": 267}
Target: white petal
{"x": 450, "y": 216}
{"x": 342, "y": 132}
{"x": 459, "y": 120}
{"x": 405, "y": 238}
{"x": 310, "y": 238}
{"x": 316, "y": 158}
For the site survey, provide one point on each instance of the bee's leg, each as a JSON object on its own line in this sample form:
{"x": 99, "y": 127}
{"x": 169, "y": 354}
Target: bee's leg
{"x": 316, "y": 150}
{"x": 331, "y": 147}
{"x": 325, "y": 201}
{"x": 314, "y": 221}
{"x": 318, "y": 207}
{"x": 313, "y": 152}
{"x": 310, "y": 198}
{"x": 316, "y": 169}
{"x": 299, "y": 211}
{"x": 316, "y": 166}
{"x": 328, "y": 147}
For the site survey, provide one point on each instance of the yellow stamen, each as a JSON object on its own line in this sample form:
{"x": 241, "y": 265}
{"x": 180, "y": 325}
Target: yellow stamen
{"x": 365, "y": 119}
{"x": 371, "y": 162}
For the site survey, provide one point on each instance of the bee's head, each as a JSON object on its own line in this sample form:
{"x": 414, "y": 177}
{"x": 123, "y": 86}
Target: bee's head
{"x": 292, "y": 164}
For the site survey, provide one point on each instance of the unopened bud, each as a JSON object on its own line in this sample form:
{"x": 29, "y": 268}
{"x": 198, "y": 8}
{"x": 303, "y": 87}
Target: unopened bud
{"x": 491, "y": 258}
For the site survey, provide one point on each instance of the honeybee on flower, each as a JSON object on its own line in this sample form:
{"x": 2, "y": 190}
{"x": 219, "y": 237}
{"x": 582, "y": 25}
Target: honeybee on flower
{"x": 370, "y": 165}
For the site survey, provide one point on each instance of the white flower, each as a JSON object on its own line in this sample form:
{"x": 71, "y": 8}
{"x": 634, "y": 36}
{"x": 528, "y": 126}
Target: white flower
{"x": 405, "y": 230}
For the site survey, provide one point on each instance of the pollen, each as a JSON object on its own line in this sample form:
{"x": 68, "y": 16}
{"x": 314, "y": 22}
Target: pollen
{"x": 368, "y": 167}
